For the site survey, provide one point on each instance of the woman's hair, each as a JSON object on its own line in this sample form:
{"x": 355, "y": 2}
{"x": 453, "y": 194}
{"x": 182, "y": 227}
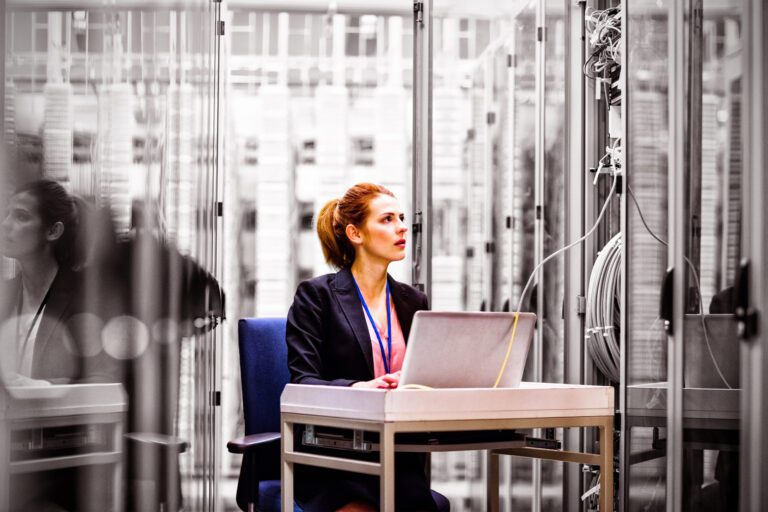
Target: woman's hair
{"x": 54, "y": 204}
{"x": 337, "y": 214}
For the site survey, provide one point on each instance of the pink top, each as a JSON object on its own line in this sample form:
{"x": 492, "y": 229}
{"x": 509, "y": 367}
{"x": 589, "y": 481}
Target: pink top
{"x": 398, "y": 344}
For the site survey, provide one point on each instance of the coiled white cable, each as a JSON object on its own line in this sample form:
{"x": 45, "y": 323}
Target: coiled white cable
{"x": 602, "y": 313}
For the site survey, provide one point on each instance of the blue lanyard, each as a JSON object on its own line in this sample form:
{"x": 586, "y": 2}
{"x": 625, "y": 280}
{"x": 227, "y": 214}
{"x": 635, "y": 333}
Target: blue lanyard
{"x": 386, "y": 357}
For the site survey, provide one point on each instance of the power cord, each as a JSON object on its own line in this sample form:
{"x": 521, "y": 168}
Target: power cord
{"x": 696, "y": 281}
{"x": 616, "y": 172}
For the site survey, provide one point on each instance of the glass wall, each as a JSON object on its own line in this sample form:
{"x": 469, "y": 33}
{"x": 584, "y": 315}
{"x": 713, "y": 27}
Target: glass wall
{"x": 498, "y": 158}
{"x": 648, "y": 132}
{"x": 551, "y": 282}
{"x": 711, "y": 366}
{"x": 712, "y": 176}
{"x": 111, "y": 257}
{"x": 193, "y": 163}
{"x": 315, "y": 102}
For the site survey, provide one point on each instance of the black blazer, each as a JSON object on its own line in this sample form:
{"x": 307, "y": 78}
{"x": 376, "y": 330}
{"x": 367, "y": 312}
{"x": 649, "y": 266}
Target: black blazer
{"x": 66, "y": 348}
{"x": 327, "y": 336}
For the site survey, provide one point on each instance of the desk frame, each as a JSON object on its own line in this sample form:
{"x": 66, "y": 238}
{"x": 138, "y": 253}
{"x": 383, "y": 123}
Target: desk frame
{"x": 385, "y": 468}
{"x": 63, "y": 405}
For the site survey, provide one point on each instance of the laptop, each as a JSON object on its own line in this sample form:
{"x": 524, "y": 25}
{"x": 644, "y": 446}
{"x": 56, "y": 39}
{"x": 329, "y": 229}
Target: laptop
{"x": 466, "y": 349}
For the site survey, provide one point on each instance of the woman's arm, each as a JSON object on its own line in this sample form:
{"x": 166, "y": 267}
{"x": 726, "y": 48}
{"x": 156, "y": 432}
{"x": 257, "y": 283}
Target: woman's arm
{"x": 305, "y": 339}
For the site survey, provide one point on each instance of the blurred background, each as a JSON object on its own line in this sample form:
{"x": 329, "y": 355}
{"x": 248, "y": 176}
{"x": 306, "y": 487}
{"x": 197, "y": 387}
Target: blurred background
{"x": 197, "y": 140}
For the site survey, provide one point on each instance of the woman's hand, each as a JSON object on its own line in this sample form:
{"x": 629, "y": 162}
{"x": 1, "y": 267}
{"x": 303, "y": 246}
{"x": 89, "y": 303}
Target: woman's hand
{"x": 388, "y": 381}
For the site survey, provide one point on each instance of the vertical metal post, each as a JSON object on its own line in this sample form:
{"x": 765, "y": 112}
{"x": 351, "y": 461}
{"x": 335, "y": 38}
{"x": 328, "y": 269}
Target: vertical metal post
{"x": 387, "y": 474}
{"x": 422, "y": 146}
{"x": 539, "y": 170}
{"x": 492, "y": 481}
{"x": 694, "y": 65}
{"x": 676, "y": 251}
{"x": 624, "y": 446}
{"x": 574, "y": 179}
{"x": 754, "y": 358}
{"x": 286, "y": 468}
{"x": 488, "y": 258}
{"x": 216, "y": 267}
{"x": 510, "y": 143}
{"x": 2, "y": 71}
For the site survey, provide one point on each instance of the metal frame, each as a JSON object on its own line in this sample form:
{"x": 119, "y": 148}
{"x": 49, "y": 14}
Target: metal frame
{"x": 488, "y": 257}
{"x": 385, "y": 469}
{"x": 100, "y": 5}
{"x": 754, "y": 362}
{"x": 511, "y": 113}
{"x": 2, "y": 71}
{"x": 539, "y": 159}
{"x": 676, "y": 250}
{"x": 575, "y": 169}
{"x": 624, "y": 446}
{"x": 421, "y": 198}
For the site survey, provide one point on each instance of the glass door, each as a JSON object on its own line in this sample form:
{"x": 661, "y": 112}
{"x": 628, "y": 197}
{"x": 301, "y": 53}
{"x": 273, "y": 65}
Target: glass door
{"x": 684, "y": 236}
{"x": 707, "y": 473}
{"x": 119, "y": 104}
{"x": 754, "y": 493}
{"x": 643, "y": 475}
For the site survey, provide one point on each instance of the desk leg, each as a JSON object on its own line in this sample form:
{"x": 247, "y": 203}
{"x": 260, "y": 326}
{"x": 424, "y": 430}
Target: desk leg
{"x": 492, "y": 490}
{"x": 286, "y": 468}
{"x": 606, "y": 466}
{"x": 5, "y": 467}
{"x": 387, "y": 477}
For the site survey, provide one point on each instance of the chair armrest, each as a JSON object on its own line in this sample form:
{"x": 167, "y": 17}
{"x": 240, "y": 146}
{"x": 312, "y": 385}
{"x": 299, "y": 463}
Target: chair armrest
{"x": 161, "y": 440}
{"x": 247, "y": 443}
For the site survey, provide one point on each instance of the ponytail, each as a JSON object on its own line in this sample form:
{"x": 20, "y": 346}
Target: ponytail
{"x": 337, "y": 249}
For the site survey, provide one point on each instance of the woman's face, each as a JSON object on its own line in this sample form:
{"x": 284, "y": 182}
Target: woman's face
{"x": 22, "y": 230}
{"x": 383, "y": 234}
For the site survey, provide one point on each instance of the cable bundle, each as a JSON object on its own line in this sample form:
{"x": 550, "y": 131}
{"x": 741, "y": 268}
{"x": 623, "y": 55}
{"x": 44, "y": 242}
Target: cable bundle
{"x": 604, "y": 28}
{"x": 603, "y": 314}
{"x": 611, "y": 161}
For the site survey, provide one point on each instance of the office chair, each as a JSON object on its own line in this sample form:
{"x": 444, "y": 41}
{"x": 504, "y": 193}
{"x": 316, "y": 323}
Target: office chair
{"x": 264, "y": 373}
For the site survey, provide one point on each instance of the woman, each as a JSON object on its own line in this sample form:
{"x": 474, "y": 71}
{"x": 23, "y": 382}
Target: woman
{"x": 38, "y": 306}
{"x": 349, "y": 329}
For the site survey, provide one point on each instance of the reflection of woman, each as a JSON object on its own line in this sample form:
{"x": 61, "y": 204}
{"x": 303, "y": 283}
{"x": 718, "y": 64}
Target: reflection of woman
{"x": 349, "y": 329}
{"x": 39, "y": 232}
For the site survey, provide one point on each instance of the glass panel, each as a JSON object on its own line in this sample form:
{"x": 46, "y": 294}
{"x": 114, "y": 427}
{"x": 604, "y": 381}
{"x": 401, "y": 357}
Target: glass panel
{"x": 521, "y": 154}
{"x": 648, "y": 124}
{"x": 301, "y": 133}
{"x": 551, "y": 280}
{"x": 483, "y": 154}
{"x": 711, "y": 362}
{"x": 121, "y": 253}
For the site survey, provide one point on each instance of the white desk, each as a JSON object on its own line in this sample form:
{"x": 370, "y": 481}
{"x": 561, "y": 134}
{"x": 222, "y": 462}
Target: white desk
{"x": 100, "y": 407}
{"x": 532, "y": 405}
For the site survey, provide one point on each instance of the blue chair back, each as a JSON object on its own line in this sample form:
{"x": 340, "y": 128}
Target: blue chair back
{"x": 263, "y": 372}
